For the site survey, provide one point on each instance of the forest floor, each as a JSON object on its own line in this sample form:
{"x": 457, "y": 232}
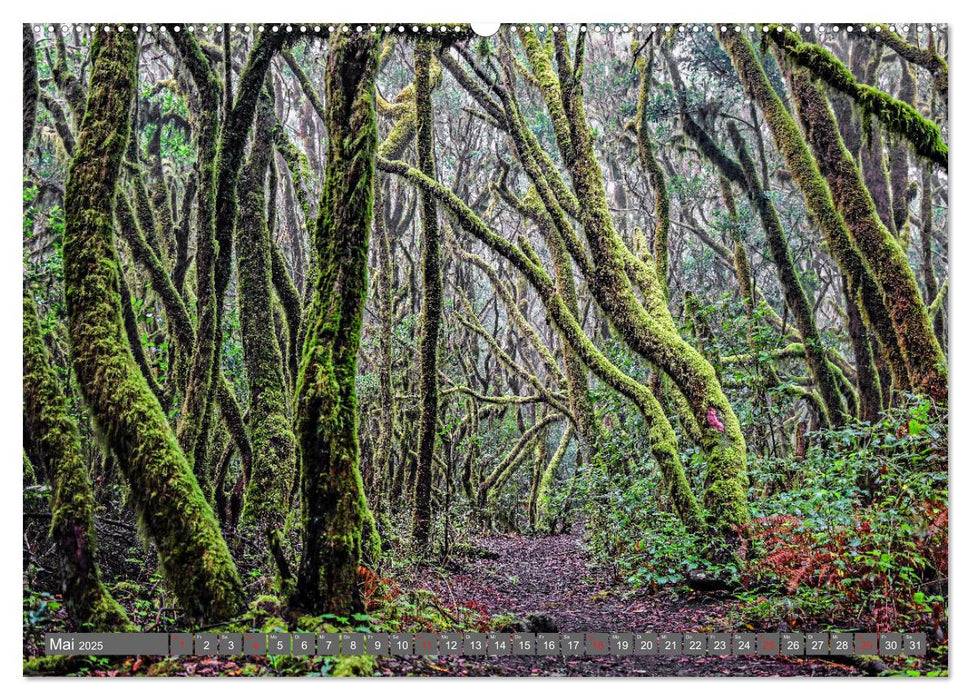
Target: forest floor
{"x": 551, "y": 576}
{"x": 508, "y": 579}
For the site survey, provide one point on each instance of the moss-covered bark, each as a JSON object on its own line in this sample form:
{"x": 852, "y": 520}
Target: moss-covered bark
{"x": 492, "y": 484}
{"x": 306, "y": 85}
{"x": 926, "y": 365}
{"x": 541, "y": 519}
{"x": 876, "y": 174}
{"x": 430, "y": 320}
{"x": 591, "y": 430}
{"x": 170, "y": 506}
{"x": 289, "y": 296}
{"x": 274, "y": 446}
{"x": 180, "y": 267}
{"x": 67, "y": 81}
{"x": 928, "y": 58}
{"x": 578, "y": 389}
{"x": 336, "y": 519}
{"x": 135, "y": 340}
{"x": 742, "y": 266}
{"x": 53, "y": 434}
{"x": 805, "y": 172}
{"x": 383, "y": 458}
{"x": 195, "y": 412}
{"x": 299, "y": 169}
{"x": 649, "y": 334}
{"x": 661, "y": 437}
{"x": 867, "y": 375}
{"x": 645, "y": 153}
{"x": 516, "y": 318}
{"x": 895, "y": 115}
{"x": 900, "y": 162}
{"x": 792, "y": 289}
{"x": 177, "y": 314}
{"x": 61, "y": 125}
{"x": 926, "y": 250}
{"x": 31, "y": 87}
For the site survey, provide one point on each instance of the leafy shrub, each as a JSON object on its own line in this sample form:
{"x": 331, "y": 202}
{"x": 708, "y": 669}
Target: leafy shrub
{"x": 858, "y": 530}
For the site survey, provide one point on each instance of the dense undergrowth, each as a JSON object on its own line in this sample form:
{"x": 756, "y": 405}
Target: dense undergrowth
{"x": 851, "y": 536}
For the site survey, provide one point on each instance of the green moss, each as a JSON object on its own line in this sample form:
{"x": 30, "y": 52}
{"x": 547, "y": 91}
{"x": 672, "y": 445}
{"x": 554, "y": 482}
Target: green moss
{"x": 647, "y": 328}
{"x": 835, "y": 413}
{"x": 165, "y": 668}
{"x": 306, "y": 85}
{"x": 430, "y": 318}
{"x": 31, "y": 87}
{"x": 166, "y": 497}
{"x": 53, "y": 665}
{"x": 862, "y": 285}
{"x": 61, "y": 125}
{"x": 900, "y": 165}
{"x": 401, "y": 134}
{"x": 928, "y": 59}
{"x": 67, "y": 81}
{"x": 383, "y": 460}
{"x": 334, "y": 509}
{"x": 661, "y": 436}
{"x": 274, "y": 445}
{"x": 146, "y": 257}
{"x": 490, "y": 486}
{"x": 354, "y": 666}
{"x": 196, "y": 404}
{"x": 545, "y": 485}
{"x": 645, "y": 152}
{"x": 896, "y": 115}
{"x": 53, "y": 436}
{"x": 925, "y": 362}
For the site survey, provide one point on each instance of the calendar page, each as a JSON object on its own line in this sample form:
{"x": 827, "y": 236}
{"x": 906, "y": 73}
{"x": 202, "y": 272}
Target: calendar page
{"x": 548, "y": 349}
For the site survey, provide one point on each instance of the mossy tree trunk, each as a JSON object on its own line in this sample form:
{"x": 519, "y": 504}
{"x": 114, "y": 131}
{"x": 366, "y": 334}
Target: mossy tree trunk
{"x": 165, "y": 495}
{"x": 900, "y": 162}
{"x": 862, "y": 285}
{"x": 651, "y": 335}
{"x": 792, "y": 289}
{"x": 650, "y": 164}
{"x": 661, "y": 437}
{"x": 925, "y": 362}
{"x": 927, "y": 249}
{"x": 383, "y": 458}
{"x": 195, "y": 404}
{"x": 867, "y": 375}
{"x": 274, "y": 446}
{"x": 221, "y": 157}
{"x": 31, "y": 87}
{"x": 540, "y": 513}
{"x": 51, "y": 438}
{"x": 578, "y": 388}
{"x": 430, "y": 320}
{"x": 336, "y": 521}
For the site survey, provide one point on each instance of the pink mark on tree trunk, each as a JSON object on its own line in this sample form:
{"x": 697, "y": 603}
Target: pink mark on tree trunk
{"x": 713, "y": 421}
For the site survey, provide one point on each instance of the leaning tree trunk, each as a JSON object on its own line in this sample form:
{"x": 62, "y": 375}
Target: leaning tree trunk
{"x": 823, "y": 372}
{"x": 164, "y": 493}
{"x": 663, "y": 441}
{"x": 53, "y": 436}
{"x": 925, "y": 361}
{"x": 647, "y": 327}
{"x": 336, "y": 521}
{"x": 862, "y": 285}
{"x": 31, "y": 88}
{"x": 194, "y": 414}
